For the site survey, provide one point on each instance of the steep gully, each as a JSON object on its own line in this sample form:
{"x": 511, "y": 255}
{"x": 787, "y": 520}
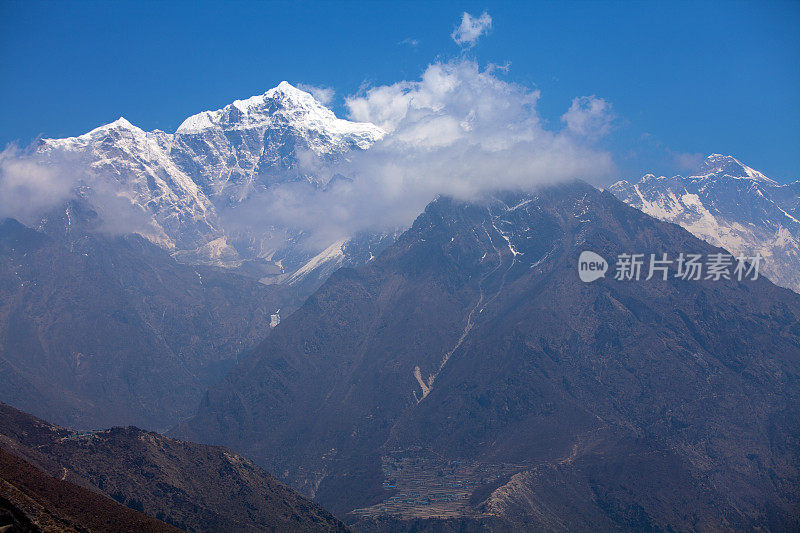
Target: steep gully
{"x": 426, "y": 386}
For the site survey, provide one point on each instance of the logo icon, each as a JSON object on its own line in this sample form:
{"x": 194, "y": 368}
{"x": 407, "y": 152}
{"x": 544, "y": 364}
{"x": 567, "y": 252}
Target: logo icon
{"x": 591, "y": 267}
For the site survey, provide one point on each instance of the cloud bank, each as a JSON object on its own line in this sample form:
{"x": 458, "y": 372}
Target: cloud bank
{"x": 33, "y": 186}
{"x": 460, "y": 131}
{"x": 28, "y": 188}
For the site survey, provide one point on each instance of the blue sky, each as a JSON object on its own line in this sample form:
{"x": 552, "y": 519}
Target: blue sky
{"x": 683, "y": 78}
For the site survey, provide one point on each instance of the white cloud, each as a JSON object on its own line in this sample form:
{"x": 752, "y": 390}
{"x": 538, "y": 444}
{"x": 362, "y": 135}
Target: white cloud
{"x": 29, "y": 188}
{"x": 324, "y": 95}
{"x": 589, "y": 116}
{"x": 33, "y": 186}
{"x": 458, "y": 130}
{"x": 450, "y": 92}
{"x": 471, "y": 28}
{"x": 413, "y": 43}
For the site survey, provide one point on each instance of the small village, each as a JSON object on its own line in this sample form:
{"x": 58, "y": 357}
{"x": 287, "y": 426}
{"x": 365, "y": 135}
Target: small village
{"x": 424, "y": 485}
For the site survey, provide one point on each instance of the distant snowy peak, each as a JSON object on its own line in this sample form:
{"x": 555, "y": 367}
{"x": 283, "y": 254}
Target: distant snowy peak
{"x": 255, "y": 110}
{"x": 730, "y": 205}
{"x": 260, "y": 110}
{"x": 215, "y": 162}
{"x": 120, "y": 124}
{"x": 728, "y": 166}
{"x": 119, "y": 128}
{"x": 282, "y": 106}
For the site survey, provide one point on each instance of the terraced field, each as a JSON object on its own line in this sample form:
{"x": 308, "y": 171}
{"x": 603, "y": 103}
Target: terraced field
{"x": 427, "y": 486}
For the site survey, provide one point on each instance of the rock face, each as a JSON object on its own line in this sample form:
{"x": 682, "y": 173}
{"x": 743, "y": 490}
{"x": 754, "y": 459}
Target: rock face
{"x": 192, "y": 486}
{"x": 183, "y": 182}
{"x": 98, "y": 330}
{"x": 467, "y": 378}
{"x": 730, "y": 205}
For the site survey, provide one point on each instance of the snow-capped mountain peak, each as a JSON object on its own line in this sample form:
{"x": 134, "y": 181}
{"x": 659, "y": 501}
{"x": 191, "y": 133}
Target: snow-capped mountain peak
{"x": 285, "y": 106}
{"x": 119, "y": 128}
{"x": 719, "y": 165}
{"x": 218, "y": 160}
{"x": 291, "y": 96}
{"x": 730, "y": 205}
{"x": 120, "y": 123}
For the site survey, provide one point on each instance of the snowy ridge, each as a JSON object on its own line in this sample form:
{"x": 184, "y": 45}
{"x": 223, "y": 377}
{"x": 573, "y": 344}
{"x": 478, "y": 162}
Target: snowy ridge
{"x": 215, "y": 161}
{"x": 285, "y": 103}
{"x": 730, "y": 205}
{"x": 331, "y": 258}
{"x": 725, "y": 165}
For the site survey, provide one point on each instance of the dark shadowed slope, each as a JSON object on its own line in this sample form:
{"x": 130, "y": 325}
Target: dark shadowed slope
{"x": 31, "y": 501}
{"x": 192, "y": 486}
{"x": 97, "y": 331}
{"x": 468, "y": 374}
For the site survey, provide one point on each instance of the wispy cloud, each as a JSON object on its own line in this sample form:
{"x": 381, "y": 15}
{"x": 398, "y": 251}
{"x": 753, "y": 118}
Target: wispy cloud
{"x": 29, "y": 188}
{"x": 33, "y": 186}
{"x": 413, "y": 43}
{"x": 324, "y": 95}
{"x": 687, "y": 161}
{"x": 471, "y": 28}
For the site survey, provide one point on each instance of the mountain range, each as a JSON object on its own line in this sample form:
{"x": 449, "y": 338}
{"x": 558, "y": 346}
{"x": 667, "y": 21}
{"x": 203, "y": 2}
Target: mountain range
{"x": 732, "y": 206}
{"x": 466, "y": 377}
{"x": 192, "y": 188}
{"x": 185, "y": 184}
{"x": 455, "y": 376}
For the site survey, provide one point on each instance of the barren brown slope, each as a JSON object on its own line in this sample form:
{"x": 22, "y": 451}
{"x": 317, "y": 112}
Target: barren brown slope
{"x": 31, "y": 500}
{"x": 192, "y": 486}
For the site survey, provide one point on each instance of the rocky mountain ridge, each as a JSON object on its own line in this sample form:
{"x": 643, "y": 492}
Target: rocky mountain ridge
{"x": 191, "y": 486}
{"x": 98, "y": 330}
{"x": 467, "y": 375}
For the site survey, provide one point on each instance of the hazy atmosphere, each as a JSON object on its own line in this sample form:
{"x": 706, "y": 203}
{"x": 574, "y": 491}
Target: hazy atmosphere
{"x": 399, "y": 266}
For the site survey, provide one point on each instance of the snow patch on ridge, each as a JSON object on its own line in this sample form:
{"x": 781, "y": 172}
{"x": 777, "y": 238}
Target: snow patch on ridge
{"x": 332, "y": 257}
